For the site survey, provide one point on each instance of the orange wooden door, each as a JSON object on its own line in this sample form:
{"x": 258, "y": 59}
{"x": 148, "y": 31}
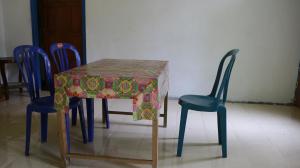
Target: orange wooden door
{"x": 61, "y": 21}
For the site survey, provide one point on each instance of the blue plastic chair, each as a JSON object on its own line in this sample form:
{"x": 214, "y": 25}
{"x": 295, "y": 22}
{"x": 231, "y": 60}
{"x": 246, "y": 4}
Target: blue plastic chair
{"x": 214, "y": 102}
{"x": 29, "y": 59}
{"x": 60, "y": 58}
{"x": 59, "y": 52}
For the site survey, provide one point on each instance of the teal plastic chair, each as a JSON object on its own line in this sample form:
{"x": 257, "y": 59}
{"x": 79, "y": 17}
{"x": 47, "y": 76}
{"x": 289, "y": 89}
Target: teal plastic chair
{"x": 214, "y": 102}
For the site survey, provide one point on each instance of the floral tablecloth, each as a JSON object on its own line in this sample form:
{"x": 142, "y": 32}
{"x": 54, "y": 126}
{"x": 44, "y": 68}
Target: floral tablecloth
{"x": 144, "y": 81}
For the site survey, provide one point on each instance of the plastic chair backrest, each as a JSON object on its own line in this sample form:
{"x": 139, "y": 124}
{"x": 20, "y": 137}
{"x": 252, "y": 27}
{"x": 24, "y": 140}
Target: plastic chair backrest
{"x": 60, "y": 55}
{"x": 221, "y": 90}
{"x": 28, "y": 59}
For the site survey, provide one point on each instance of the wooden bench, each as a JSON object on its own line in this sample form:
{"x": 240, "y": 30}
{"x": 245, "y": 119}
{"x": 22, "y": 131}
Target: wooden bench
{"x": 5, "y": 86}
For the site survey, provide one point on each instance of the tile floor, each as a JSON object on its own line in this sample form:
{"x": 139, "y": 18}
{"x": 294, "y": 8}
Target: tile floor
{"x": 260, "y": 136}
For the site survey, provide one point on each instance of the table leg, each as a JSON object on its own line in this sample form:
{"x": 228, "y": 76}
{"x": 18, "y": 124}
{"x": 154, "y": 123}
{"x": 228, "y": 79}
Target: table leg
{"x": 154, "y": 143}
{"x": 104, "y": 104}
{"x": 166, "y": 111}
{"x": 4, "y": 79}
{"x": 90, "y": 118}
{"x": 105, "y": 113}
{"x": 61, "y": 126}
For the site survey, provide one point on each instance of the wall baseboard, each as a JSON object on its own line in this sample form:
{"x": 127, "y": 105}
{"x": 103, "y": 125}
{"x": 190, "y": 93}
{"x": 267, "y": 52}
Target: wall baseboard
{"x": 249, "y": 102}
{"x": 268, "y": 103}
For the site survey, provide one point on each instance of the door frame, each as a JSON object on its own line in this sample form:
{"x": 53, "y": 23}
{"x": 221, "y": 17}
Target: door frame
{"x": 35, "y": 27}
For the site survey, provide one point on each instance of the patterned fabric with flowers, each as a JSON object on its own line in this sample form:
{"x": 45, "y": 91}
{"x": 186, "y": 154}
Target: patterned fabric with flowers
{"x": 144, "y": 81}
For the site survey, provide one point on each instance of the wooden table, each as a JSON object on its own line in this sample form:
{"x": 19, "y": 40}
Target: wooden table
{"x": 144, "y": 81}
{"x": 6, "y": 85}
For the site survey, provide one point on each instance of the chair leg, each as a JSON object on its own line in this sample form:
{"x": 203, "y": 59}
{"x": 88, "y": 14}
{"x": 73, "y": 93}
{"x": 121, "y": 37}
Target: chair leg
{"x": 28, "y": 130}
{"x": 183, "y": 119}
{"x": 82, "y": 123}
{"x": 222, "y": 111}
{"x": 67, "y": 121}
{"x": 74, "y": 116}
{"x": 219, "y": 128}
{"x": 105, "y": 111}
{"x": 44, "y": 127}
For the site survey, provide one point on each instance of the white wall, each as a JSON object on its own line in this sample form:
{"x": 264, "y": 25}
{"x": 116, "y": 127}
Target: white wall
{"x": 194, "y": 34}
{"x": 2, "y": 35}
{"x": 17, "y": 25}
{"x": 17, "y": 22}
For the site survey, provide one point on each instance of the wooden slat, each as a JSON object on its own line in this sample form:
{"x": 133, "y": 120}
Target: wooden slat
{"x": 120, "y": 112}
{"x": 127, "y": 113}
{"x": 109, "y": 158}
{"x": 14, "y": 85}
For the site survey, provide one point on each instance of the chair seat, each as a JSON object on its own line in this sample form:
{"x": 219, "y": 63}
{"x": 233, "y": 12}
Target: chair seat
{"x": 199, "y": 103}
{"x": 46, "y": 104}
